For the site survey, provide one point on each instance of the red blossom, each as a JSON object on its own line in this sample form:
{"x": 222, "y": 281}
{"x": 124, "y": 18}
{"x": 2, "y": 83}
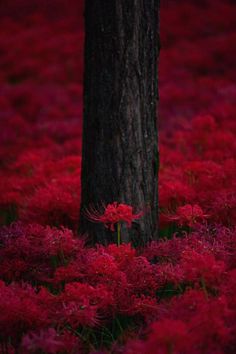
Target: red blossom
{"x": 113, "y": 214}
{"x": 189, "y": 215}
{"x": 46, "y": 341}
{"x": 202, "y": 268}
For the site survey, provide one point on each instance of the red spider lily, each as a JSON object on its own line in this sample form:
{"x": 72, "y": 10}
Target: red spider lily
{"x": 189, "y": 215}
{"x": 202, "y": 267}
{"x": 114, "y": 213}
{"x": 45, "y": 340}
{"x": 168, "y": 335}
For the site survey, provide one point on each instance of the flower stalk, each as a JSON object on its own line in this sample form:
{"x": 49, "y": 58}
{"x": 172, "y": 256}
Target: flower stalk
{"x": 118, "y": 234}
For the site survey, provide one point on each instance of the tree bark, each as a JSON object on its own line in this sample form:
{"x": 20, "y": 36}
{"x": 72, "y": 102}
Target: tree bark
{"x": 120, "y": 149}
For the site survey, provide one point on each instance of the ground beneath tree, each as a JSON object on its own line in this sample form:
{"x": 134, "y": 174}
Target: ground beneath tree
{"x": 177, "y": 295}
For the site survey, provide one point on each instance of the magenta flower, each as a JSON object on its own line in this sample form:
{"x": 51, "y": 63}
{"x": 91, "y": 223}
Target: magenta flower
{"x": 189, "y": 215}
{"x": 113, "y": 214}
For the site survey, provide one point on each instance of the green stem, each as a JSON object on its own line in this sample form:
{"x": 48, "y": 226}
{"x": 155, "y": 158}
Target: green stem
{"x": 170, "y": 348}
{"x": 118, "y": 234}
{"x": 204, "y": 287}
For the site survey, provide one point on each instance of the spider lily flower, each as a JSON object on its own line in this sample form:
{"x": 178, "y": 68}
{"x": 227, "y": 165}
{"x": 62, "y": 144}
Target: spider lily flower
{"x": 113, "y": 213}
{"x": 188, "y": 215}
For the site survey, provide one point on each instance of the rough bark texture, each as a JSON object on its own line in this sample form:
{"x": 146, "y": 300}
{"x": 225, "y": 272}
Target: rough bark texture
{"x": 120, "y": 151}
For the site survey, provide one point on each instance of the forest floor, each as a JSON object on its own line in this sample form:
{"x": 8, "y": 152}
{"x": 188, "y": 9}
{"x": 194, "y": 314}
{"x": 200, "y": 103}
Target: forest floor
{"x": 178, "y": 294}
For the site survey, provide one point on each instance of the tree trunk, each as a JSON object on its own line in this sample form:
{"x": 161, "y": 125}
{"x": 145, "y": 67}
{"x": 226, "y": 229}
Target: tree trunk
{"x": 120, "y": 151}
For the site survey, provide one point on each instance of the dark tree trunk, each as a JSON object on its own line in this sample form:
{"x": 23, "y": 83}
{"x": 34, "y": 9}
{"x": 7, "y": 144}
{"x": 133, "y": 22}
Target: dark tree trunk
{"x": 120, "y": 152}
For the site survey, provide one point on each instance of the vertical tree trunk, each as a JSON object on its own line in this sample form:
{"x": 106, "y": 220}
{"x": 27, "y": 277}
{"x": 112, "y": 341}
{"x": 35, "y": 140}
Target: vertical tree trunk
{"x": 120, "y": 152}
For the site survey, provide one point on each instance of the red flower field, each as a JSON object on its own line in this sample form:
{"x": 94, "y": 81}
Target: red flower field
{"x": 176, "y": 296}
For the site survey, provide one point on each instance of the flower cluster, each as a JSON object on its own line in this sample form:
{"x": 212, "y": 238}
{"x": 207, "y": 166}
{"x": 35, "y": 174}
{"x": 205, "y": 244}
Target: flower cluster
{"x": 54, "y": 288}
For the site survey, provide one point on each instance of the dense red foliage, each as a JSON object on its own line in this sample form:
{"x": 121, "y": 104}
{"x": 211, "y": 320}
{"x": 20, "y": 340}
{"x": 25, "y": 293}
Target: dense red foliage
{"x": 176, "y": 296}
